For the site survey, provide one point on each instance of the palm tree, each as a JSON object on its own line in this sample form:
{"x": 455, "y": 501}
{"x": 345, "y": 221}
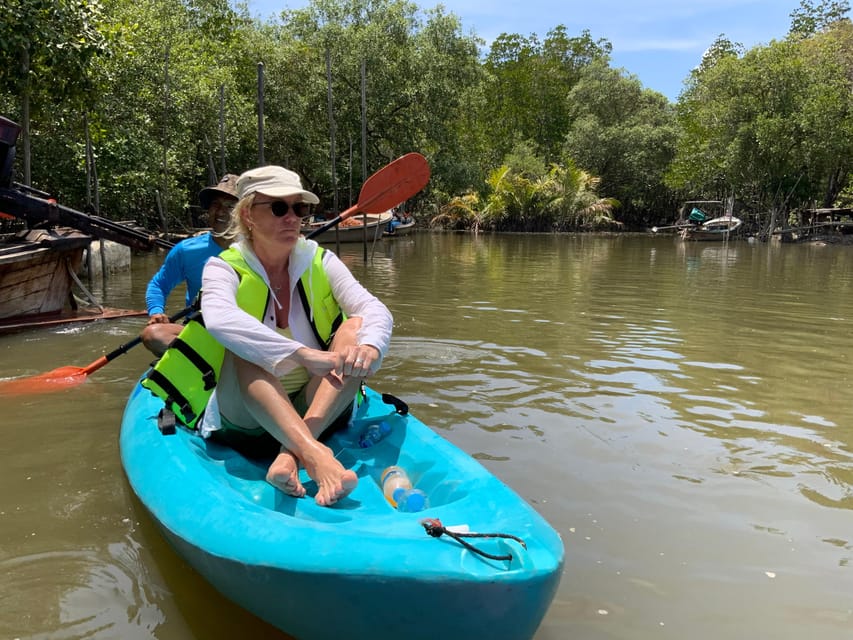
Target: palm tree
{"x": 515, "y": 202}
{"x": 461, "y": 212}
{"x": 563, "y": 199}
{"x": 575, "y": 201}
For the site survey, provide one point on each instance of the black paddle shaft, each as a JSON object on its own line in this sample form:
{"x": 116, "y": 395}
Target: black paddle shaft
{"x": 127, "y": 346}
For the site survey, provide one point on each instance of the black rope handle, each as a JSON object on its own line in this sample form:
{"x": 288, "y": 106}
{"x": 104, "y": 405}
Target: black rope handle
{"x": 399, "y": 406}
{"x": 434, "y": 528}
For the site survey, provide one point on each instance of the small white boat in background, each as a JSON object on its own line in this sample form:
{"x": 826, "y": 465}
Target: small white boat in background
{"x": 705, "y": 220}
{"x": 721, "y": 228}
{"x": 403, "y": 228}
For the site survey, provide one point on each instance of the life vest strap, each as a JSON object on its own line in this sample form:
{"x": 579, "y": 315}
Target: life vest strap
{"x": 303, "y": 296}
{"x": 174, "y": 395}
{"x": 208, "y": 375}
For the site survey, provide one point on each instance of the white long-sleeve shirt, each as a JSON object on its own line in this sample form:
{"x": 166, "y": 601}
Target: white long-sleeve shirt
{"x": 259, "y": 342}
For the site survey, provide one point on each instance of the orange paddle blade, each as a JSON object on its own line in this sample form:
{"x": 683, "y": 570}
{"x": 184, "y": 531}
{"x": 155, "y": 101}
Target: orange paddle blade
{"x": 60, "y": 378}
{"x": 395, "y": 183}
{"x": 391, "y": 185}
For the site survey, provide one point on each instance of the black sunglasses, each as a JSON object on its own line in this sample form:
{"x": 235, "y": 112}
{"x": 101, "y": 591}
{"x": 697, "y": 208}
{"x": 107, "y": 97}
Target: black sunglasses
{"x": 280, "y": 208}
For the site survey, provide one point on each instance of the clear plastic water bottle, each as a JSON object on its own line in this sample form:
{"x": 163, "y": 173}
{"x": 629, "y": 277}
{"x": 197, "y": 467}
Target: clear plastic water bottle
{"x": 398, "y": 490}
{"x": 394, "y": 479}
{"x": 373, "y": 434}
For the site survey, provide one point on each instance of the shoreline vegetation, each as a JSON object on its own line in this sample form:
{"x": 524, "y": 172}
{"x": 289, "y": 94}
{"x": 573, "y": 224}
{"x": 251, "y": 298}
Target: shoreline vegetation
{"x": 130, "y": 108}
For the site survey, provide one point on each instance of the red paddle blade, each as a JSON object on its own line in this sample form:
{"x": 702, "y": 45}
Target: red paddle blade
{"x": 392, "y": 184}
{"x": 397, "y": 182}
{"x": 61, "y": 378}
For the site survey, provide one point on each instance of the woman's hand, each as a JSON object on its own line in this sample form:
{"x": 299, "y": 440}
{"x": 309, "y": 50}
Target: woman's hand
{"x": 359, "y": 359}
{"x": 334, "y": 365}
{"x": 323, "y": 364}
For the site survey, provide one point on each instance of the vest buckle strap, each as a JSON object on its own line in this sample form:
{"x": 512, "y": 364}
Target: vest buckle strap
{"x": 209, "y": 380}
{"x": 166, "y": 422}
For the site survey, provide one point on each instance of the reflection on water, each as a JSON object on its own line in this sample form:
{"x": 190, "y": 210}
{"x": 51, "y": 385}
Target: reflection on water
{"x": 89, "y": 598}
{"x": 679, "y": 411}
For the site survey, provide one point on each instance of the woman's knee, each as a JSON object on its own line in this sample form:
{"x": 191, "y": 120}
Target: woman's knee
{"x": 245, "y": 371}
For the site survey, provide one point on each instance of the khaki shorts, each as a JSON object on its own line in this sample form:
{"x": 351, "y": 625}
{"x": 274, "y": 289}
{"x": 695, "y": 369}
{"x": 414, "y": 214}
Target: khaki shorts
{"x": 257, "y": 443}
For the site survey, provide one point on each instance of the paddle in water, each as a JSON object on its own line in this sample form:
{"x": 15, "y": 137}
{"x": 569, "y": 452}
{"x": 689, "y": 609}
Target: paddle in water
{"x": 391, "y": 185}
{"x": 70, "y": 376}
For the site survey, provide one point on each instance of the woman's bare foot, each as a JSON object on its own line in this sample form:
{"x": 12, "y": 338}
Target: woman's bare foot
{"x": 333, "y": 480}
{"x": 284, "y": 474}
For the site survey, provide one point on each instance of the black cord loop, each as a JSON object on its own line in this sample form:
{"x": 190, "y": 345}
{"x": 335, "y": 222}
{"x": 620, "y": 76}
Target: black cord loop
{"x": 434, "y": 528}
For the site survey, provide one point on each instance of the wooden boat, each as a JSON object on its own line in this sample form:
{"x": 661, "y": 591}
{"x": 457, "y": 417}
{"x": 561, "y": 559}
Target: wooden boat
{"x": 68, "y": 316}
{"x": 360, "y": 569}
{"x": 352, "y": 229}
{"x": 705, "y": 220}
{"x": 722, "y": 228}
{"x": 37, "y": 271}
{"x": 36, "y": 268}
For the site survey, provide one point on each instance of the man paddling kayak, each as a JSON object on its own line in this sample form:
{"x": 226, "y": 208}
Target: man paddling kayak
{"x": 185, "y": 262}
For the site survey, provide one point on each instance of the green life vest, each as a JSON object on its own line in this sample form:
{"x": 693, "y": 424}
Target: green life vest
{"x": 188, "y": 372}
{"x": 323, "y": 311}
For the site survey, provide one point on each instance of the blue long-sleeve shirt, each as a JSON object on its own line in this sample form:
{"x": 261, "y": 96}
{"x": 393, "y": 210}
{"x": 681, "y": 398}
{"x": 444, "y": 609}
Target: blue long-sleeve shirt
{"x": 184, "y": 263}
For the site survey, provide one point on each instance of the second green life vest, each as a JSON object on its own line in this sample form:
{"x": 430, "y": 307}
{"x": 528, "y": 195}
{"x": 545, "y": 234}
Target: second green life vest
{"x": 184, "y": 378}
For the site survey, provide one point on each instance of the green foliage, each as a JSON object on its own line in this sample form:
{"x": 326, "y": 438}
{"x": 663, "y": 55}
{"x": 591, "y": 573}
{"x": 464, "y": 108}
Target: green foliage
{"x": 524, "y": 195}
{"x": 812, "y": 18}
{"x": 539, "y": 135}
{"x": 460, "y": 213}
{"x": 574, "y": 199}
{"x": 528, "y": 87}
{"x": 625, "y": 135}
{"x": 49, "y": 48}
{"x": 773, "y": 126}
{"x": 413, "y": 69}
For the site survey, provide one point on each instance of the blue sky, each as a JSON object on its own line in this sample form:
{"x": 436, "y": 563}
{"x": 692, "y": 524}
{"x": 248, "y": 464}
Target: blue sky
{"x": 659, "y": 41}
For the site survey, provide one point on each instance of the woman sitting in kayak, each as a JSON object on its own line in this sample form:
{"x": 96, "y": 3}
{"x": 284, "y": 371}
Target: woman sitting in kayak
{"x": 300, "y": 334}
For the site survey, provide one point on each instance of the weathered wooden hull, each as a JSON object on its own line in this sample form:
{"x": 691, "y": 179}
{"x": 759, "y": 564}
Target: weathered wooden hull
{"x": 66, "y": 316}
{"x": 35, "y": 271}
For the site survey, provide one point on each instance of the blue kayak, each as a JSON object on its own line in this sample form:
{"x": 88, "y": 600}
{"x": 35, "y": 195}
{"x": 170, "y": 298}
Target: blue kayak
{"x": 359, "y": 569}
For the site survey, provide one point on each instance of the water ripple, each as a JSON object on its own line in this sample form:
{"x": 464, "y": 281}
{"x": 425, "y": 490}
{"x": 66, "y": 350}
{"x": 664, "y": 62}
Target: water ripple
{"x": 83, "y": 593}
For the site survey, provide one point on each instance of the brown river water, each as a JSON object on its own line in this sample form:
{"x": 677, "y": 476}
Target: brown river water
{"x": 680, "y": 413}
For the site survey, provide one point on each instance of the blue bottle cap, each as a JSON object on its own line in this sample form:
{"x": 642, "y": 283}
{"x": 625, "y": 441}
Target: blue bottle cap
{"x": 413, "y": 501}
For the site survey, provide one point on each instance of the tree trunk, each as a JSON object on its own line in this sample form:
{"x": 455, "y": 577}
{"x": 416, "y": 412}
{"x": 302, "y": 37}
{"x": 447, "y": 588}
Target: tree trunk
{"x": 837, "y": 179}
{"x": 771, "y": 224}
{"x": 25, "y": 118}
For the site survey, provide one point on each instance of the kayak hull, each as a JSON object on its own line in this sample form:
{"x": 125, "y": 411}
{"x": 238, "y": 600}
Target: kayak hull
{"x": 360, "y": 568}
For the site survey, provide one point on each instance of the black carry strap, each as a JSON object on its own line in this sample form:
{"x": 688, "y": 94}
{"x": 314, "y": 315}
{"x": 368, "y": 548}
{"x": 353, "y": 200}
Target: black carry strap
{"x": 399, "y": 406}
{"x": 175, "y": 397}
